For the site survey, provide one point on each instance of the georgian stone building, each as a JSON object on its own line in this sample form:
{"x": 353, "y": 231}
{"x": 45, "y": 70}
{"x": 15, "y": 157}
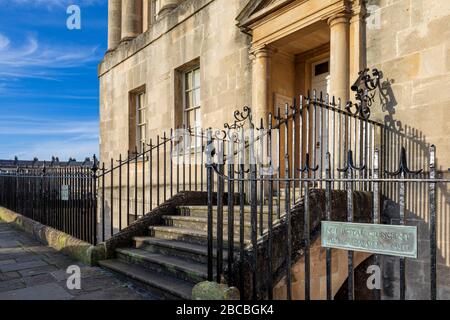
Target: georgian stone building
{"x": 172, "y": 63}
{"x": 230, "y": 53}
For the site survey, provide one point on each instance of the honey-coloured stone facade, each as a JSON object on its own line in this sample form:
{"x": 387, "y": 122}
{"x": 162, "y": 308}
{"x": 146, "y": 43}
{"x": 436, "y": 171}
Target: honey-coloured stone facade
{"x": 261, "y": 53}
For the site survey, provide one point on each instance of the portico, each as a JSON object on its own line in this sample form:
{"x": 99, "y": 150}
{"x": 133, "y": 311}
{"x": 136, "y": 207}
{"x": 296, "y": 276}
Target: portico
{"x": 299, "y": 46}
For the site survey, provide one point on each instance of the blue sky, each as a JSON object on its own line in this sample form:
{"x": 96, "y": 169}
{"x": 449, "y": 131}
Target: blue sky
{"x": 48, "y": 78}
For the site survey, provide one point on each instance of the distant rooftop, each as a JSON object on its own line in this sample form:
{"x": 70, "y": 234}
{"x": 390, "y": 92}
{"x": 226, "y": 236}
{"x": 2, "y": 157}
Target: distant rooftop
{"x": 54, "y": 162}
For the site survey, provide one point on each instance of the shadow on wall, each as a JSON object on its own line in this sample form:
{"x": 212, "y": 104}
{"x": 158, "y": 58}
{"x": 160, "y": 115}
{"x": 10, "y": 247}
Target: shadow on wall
{"x": 398, "y": 134}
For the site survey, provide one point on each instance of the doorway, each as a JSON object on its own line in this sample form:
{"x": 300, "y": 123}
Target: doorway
{"x": 320, "y": 77}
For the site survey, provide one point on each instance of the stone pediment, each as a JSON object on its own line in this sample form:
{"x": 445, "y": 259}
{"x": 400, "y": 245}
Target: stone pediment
{"x": 257, "y": 9}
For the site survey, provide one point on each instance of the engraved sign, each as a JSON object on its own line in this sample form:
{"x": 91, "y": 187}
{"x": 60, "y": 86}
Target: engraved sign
{"x": 373, "y": 238}
{"x": 65, "y": 193}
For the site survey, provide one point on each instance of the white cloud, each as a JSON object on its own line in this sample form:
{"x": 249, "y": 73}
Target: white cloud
{"x": 4, "y": 42}
{"x": 45, "y": 138}
{"x": 33, "y": 54}
{"x": 14, "y": 125}
{"x": 34, "y": 59}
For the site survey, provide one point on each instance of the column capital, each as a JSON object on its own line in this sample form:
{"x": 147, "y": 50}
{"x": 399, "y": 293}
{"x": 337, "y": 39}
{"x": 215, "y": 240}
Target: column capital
{"x": 264, "y": 51}
{"x": 343, "y": 17}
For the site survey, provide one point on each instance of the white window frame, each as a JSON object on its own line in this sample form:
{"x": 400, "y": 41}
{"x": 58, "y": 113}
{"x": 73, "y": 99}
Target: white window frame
{"x": 140, "y": 123}
{"x": 191, "y": 72}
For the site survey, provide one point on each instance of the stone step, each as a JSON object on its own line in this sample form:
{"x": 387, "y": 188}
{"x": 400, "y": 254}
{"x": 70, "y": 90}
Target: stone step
{"x": 201, "y": 224}
{"x": 168, "y": 287}
{"x": 184, "y": 250}
{"x": 283, "y": 193}
{"x": 189, "y": 235}
{"x": 177, "y": 267}
{"x": 202, "y": 211}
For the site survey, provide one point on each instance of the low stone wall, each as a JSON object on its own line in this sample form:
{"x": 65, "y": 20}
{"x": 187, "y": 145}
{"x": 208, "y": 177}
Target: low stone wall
{"x": 63, "y": 242}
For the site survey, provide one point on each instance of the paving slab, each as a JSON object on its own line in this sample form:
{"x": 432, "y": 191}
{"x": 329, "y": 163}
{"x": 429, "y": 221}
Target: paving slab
{"x": 9, "y": 276}
{"x": 39, "y": 279}
{"x": 13, "y": 284}
{"x": 49, "y": 291}
{"x": 22, "y": 266}
{"x": 38, "y": 270}
{"x": 32, "y": 271}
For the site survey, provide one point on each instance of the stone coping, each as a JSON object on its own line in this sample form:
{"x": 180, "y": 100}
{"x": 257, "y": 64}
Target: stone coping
{"x": 58, "y": 240}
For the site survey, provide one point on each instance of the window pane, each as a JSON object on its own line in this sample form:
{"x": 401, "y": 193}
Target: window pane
{"x": 197, "y": 78}
{"x": 188, "y": 81}
{"x": 141, "y": 116}
{"x": 189, "y": 99}
{"x": 140, "y": 127}
{"x": 321, "y": 68}
{"x": 141, "y": 133}
{"x": 198, "y": 118}
{"x": 191, "y": 119}
{"x": 196, "y": 97}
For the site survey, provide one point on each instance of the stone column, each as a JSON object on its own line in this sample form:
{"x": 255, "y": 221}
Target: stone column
{"x": 131, "y": 19}
{"x": 114, "y": 23}
{"x": 146, "y": 7}
{"x": 357, "y": 40}
{"x": 339, "y": 56}
{"x": 261, "y": 83}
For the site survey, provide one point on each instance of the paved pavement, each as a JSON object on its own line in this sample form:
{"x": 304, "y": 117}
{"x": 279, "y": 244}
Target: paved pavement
{"x": 32, "y": 271}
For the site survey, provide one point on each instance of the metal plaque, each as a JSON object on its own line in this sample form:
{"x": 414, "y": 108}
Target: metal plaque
{"x": 65, "y": 193}
{"x": 391, "y": 240}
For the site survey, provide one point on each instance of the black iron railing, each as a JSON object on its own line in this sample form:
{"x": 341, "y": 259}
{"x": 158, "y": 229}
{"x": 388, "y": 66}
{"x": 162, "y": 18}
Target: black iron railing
{"x": 60, "y": 197}
{"x": 314, "y": 144}
{"x": 134, "y": 185}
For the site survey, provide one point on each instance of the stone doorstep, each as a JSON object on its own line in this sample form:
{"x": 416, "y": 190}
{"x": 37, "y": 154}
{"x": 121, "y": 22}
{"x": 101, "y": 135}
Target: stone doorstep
{"x": 169, "y": 287}
{"x": 186, "y": 250}
{"x": 189, "y": 235}
{"x": 201, "y": 224}
{"x": 180, "y": 268}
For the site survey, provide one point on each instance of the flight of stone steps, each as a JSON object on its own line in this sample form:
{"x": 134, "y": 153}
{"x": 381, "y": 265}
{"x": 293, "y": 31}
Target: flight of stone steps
{"x": 173, "y": 257}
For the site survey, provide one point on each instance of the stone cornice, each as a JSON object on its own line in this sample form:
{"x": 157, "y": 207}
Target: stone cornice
{"x": 247, "y": 16}
{"x": 281, "y": 23}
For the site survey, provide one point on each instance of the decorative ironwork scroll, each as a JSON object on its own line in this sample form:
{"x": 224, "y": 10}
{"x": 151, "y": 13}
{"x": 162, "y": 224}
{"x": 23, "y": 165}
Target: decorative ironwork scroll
{"x": 240, "y": 119}
{"x": 364, "y": 87}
